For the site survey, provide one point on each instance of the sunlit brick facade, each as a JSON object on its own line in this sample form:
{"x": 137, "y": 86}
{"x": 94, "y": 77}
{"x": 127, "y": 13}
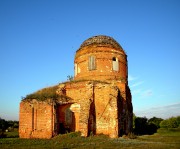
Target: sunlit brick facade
{"x": 97, "y": 101}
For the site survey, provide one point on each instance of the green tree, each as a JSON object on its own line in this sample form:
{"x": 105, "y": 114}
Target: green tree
{"x": 134, "y": 117}
{"x": 156, "y": 121}
{"x": 170, "y": 123}
{"x": 164, "y": 124}
{"x": 3, "y": 127}
{"x": 141, "y": 125}
{"x": 178, "y": 120}
{"x": 12, "y": 125}
{"x": 16, "y": 124}
{"x": 173, "y": 122}
{"x": 3, "y": 124}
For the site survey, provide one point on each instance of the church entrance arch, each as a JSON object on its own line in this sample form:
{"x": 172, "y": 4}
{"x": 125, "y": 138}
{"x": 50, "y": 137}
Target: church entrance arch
{"x": 68, "y": 117}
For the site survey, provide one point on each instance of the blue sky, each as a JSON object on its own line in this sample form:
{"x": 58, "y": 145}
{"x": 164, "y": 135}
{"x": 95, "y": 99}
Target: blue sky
{"x": 38, "y": 40}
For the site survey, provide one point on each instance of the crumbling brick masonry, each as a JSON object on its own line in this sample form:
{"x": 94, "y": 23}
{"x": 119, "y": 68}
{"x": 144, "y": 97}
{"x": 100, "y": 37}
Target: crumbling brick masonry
{"x": 97, "y": 101}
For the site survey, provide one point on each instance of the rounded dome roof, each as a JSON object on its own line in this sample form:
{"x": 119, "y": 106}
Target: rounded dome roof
{"x": 101, "y": 40}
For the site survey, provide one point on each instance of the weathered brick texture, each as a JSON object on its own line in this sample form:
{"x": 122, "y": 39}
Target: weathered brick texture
{"x": 97, "y": 101}
{"x": 36, "y": 119}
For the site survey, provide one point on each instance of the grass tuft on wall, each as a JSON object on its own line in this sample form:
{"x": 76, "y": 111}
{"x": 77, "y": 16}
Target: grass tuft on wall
{"x": 43, "y": 94}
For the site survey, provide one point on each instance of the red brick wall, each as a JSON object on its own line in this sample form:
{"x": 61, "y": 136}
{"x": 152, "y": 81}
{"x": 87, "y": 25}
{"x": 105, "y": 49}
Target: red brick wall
{"x": 102, "y": 106}
{"x": 36, "y": 120}
{"x": 104, "y": 96}
{"x": 103, "y": 71}
{"x": 25, "y": 120}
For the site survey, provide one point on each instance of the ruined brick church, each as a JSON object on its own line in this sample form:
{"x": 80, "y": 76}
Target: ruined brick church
{"x": 96, "y": 101}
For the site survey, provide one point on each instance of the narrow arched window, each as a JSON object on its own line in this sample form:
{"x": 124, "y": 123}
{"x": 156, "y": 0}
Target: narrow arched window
{"x": 92, "y": 63}
{"x": 75, "y": 69}
{"x": 115, "y": 64}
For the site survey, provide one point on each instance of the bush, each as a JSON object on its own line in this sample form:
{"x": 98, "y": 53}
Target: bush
{"x": 12, "y": 134}
{"x": 45, "y": 93}
{"x": 142, "y": 126}
{"x": 164, "y": 124}
{"x": 178, "y": 120}
{"x": 73, "y": 134}
{"x": 3, "y": 124}
{"x": 156, "y": 121}
{"x": 2, "y": 134}
{"x": 170, "y": 123}
{"x": 173, "y": 122}
{"x": 151, "y": 129}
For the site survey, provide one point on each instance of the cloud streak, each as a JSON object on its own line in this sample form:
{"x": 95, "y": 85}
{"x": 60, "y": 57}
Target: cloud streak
{"x": 137, "y": 84}
{"x": 147, "y": 93}
{"x": 161, "y": 112}
{"x": 140, "y": 92}
{"x": 136, "y": 91}
{"x": 131, "y": 78}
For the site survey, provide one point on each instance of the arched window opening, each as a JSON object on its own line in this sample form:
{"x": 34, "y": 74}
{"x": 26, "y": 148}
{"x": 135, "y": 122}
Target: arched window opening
{"x": 114, "y": 59}
{"x": 92, "y": 63}
{"x": 75, "y": 69}
{"x": 115, "y": 63}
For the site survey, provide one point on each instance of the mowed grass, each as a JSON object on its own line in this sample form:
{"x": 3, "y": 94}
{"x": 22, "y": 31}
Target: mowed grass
{"x": 163, "y": 139}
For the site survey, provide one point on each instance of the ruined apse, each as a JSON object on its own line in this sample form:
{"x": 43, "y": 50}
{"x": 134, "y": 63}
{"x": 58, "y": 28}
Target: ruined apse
{"x": 96, "y": 101}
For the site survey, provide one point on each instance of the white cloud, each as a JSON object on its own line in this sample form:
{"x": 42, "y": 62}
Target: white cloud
{"x": 137, "y": 84}
{"x": 142, "y": 93}
{"x": 161, "y": 112}
{"x": 131, "y": 78}
{"x": 136, "y": 91}
{"x": 147, "y": 93}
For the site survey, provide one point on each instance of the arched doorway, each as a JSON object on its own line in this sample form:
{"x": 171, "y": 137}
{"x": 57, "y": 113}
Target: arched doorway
{"x": 68, "y": 118}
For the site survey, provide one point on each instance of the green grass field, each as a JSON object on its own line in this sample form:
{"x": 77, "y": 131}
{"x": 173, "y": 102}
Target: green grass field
{"x": 163, "y": 139}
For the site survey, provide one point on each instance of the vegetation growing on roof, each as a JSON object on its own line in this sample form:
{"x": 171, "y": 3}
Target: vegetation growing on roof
{"x": 43, "y": 94}
{"x": 101, "y": 39}
{"x": 86, "y": 80}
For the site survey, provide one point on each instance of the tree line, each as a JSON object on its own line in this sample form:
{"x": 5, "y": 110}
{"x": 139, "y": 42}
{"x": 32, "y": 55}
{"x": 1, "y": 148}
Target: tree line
{"x": 142, "y": 125}
{"x": 7, "y": 126}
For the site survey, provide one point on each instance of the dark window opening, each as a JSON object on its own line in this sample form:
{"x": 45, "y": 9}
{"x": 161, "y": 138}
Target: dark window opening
{"x": 114, "y": 59}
